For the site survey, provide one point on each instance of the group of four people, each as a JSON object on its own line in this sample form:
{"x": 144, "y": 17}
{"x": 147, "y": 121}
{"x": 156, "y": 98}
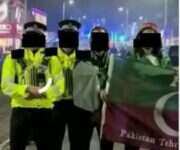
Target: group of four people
{"x": 42, "y": 116}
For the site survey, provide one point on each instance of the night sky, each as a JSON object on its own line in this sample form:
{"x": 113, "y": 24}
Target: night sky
{"x": 107, "y": 10}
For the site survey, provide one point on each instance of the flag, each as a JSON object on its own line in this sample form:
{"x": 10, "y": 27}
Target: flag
{"x": 142, "y": 109}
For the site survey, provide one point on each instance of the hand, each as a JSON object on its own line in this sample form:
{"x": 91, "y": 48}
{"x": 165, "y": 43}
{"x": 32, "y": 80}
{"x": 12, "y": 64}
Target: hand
{"x": 103, "y": 95}
{"x": 175, "y": 81}
{"x": 33, "y": 92}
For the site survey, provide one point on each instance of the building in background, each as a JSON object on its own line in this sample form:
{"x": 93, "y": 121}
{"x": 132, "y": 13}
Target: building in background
{"x": 12, "y": 17}
{"x": 36, "y": 14}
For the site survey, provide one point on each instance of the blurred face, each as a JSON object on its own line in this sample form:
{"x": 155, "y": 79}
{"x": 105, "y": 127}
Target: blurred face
{"x": 68, "y": 39}
{"x": 99, "y": 53}
{"x": 34, "y": 37}
{"x": 148, "y": 50}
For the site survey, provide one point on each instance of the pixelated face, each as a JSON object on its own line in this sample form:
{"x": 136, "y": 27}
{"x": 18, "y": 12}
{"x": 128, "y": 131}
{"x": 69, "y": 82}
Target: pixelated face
{"x": 99, "y": 41}
{"x": 68, "y": 38}
{"x": 34, "y": 37}
{"x": 148, "y": 50}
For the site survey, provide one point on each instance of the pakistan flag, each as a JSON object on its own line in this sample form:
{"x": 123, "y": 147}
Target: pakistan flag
{"x": 142, "y": 109}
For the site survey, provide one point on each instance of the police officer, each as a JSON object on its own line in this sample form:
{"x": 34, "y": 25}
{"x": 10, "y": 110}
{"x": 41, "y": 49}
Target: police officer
{"x": 24, "y": 73}
{"x": 64, "y": 112}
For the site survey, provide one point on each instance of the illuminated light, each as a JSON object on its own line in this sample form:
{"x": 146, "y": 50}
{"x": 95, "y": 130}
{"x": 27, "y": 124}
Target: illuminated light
{"x": 5, "y": 28}
{"x": 89, "y": 35}
{"x": 71, "y": 2}
{"x": 112, "y": 36}
{"x": 19, "y": 28}
{"x": 39, "y": 16}
{"x": 18, "y": 14}
{"x": 120, "y": 9}
{"x": 5, "y": 42}
{"x": 122, "y": 38}
{"x": 84, "y": 17}
{"x": 41, "y": 19}
{"x": 3, "y": 11}
{"x": 141, "y": 18}
{"x": 115, "y": 37}
{"x": 162, "y": 33}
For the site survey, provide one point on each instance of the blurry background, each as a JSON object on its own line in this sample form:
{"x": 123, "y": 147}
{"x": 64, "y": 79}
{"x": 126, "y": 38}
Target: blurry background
{"x": 122, "y": 18}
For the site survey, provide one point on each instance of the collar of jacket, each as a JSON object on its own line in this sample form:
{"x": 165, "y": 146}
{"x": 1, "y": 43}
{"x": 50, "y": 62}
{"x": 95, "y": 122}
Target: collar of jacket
{"x": 153, "y": 60}
{"x": 68, "y": 61}
{"x": 31, "y": 58}
{"x": 102, "y": 61}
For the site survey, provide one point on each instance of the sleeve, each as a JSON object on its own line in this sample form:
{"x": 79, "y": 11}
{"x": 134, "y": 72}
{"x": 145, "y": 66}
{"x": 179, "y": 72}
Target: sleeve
{"x": 109, "y": 73}
{"x": 56, "y": 73}
{"x": 166, "y": 62}
{"x": 8, "y": 85}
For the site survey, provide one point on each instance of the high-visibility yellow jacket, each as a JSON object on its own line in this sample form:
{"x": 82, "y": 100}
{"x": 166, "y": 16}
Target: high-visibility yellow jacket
{"x": 12, "y": 69}
{"x": 67, "y": 65}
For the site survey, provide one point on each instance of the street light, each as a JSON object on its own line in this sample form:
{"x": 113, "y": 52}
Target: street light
{"x": 70, "y": 2}
{"x": 141, "y": 18}
{"x": 79, "y": 19}
{"x": 122, "y": 9}
{"x": 103, "y": 20}
{"x": 84, "y": 17}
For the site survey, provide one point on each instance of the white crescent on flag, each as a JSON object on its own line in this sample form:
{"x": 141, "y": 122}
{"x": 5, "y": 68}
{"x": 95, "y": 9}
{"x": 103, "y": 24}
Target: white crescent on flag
{"x": 158, "y": 117}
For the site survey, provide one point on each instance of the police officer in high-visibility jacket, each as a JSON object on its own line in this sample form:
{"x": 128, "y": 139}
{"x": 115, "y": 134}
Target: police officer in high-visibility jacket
{"x": 65, "y": 113}
{"x": 24, "y": 73}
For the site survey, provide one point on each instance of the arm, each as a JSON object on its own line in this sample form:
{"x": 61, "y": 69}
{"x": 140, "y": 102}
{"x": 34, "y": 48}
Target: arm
{"x": 9, "y": 87}
{"x": 105, "y": 91}
{"x": 57, "y": 89}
